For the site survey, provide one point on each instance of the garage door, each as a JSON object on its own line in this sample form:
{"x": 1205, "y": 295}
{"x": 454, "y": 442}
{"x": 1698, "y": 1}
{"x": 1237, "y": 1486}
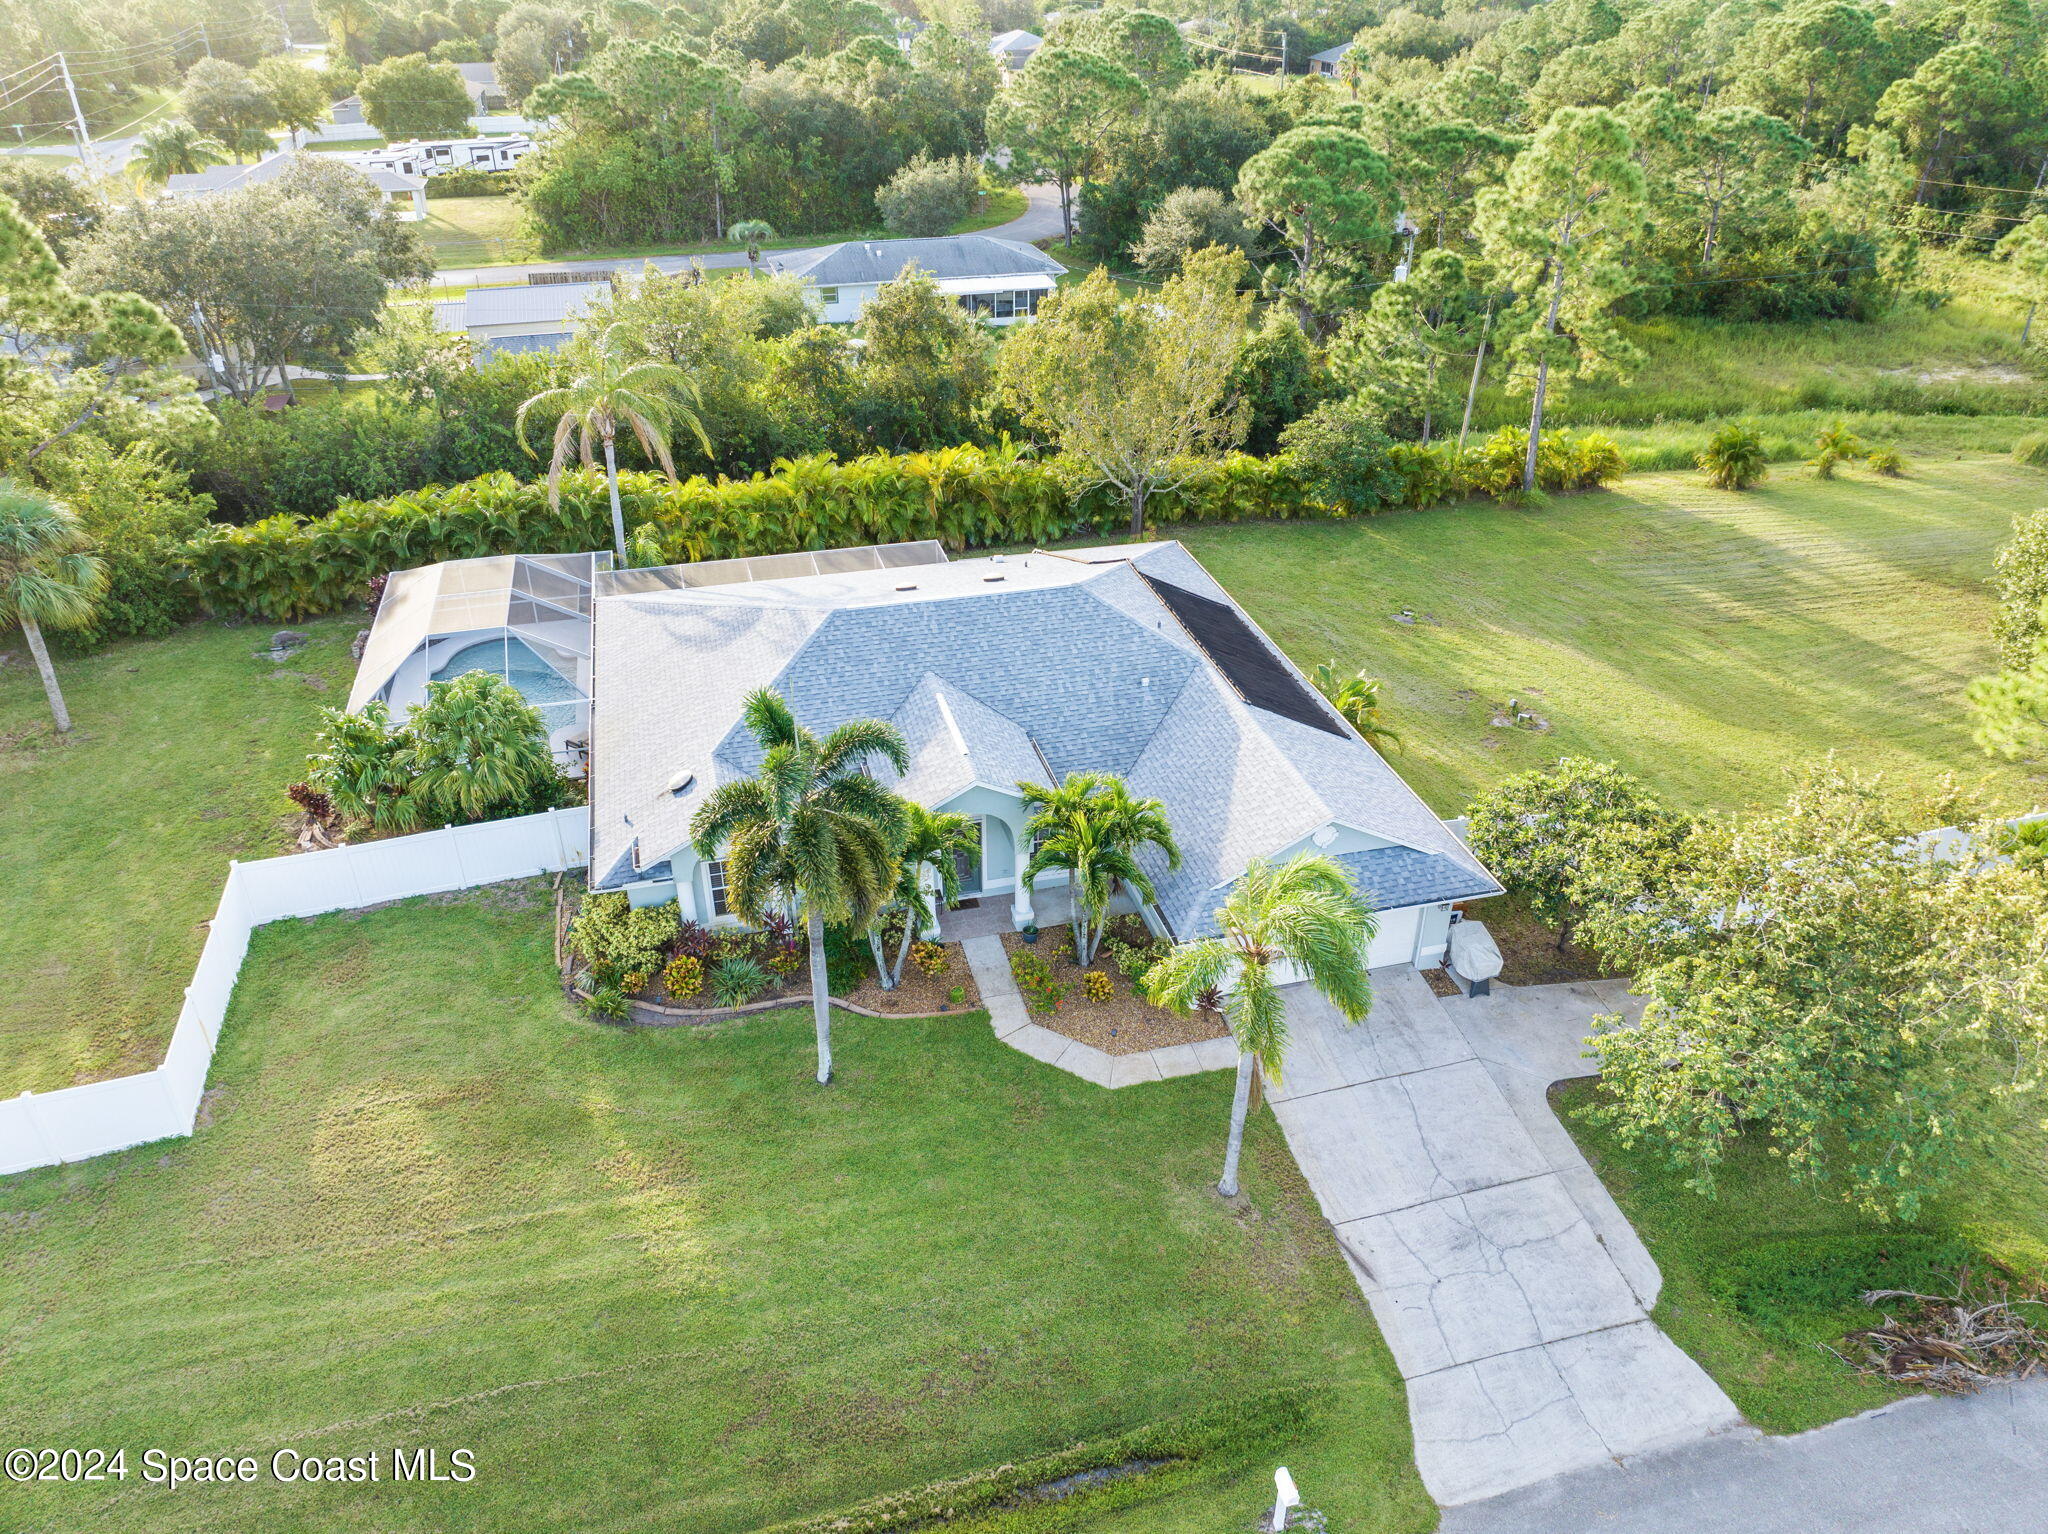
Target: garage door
{"x": 1395, "y": 941}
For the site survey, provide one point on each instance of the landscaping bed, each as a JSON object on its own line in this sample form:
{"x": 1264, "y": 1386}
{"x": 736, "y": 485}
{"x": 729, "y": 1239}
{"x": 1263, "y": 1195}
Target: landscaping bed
{"x": 1120, "y": 1023}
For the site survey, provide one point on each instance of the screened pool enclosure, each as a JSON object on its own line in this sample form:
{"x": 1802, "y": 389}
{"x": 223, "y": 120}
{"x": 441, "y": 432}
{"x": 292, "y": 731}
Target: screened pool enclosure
{"x": 525, "y": 617}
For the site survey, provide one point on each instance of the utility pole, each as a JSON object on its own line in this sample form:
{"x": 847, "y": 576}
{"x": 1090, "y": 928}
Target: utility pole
{"x": 85, "y": 153}
{"x": 205, "y": 41}
{"x": 1283, "y": 55}
{"x": 285, "y": 22}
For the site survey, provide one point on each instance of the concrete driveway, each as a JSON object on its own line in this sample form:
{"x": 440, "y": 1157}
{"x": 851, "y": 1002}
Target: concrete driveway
{"x": 1517, "y": 1313}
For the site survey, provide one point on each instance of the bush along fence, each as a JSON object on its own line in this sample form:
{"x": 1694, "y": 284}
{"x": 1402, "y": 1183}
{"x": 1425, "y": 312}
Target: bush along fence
{"x": 284, "y": 568}
{"x": 74, "y": 1123}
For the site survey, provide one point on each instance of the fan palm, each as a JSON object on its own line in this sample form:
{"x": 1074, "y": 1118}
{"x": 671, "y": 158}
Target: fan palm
{"x": 1305, "y": 912}
{"x": 1358, "y": 699}
{"x": 176, "y": 148}
{"x": 651, "y": 398}
{"x": 930, "y": 838}
{"x": 48, "y": 577}
{"x": 751, "y": 232}
{"x": 1091, "y": 827}
{"x": 811, "y": 832}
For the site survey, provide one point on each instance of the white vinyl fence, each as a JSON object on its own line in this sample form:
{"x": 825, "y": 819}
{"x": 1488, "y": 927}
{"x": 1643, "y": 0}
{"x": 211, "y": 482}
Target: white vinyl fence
{"x": 44, "y": 1128}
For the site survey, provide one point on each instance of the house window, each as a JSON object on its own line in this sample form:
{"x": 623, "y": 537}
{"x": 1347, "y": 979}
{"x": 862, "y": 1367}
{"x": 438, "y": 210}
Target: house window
{"x": 714, "y": 875}
{"x": 828, "y": 296}
{"x": 1006, "y": 306}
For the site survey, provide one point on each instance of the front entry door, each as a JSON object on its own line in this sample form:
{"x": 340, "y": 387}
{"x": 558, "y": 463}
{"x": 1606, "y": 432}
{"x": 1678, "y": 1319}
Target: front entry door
{"x": 967, "y": 867}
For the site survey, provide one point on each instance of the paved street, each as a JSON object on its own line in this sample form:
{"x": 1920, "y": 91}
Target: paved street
{"x": 1517, "y": 1315}
{"x": 1924, "y": 1466}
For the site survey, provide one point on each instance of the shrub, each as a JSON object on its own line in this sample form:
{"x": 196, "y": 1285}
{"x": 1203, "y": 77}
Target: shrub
{"x": 312, "y": 801}
{"x": 634, "y": 981}
{"x": 608, "y": 929}
{"x": 1734, "y": 457}
{"x": 1097, "y": 986}
{"x": 928, "y": 197}
{"x": 684, "y": 976}
{"x": 1343, "y": 454}
{"x": 1888, "y": 461}
{"x": 1835, "y": 446}
{"x": 610, "y": 1002}
{"x": 2032, "y": 450}
{"x": 1563, "y": 462}
{"x": 1042, "y": 993}
{"x": 138, "y": 512}
{"x": 930, "y": 958}
{"x": 471, "y": 181}
{"x": 737, "y": 981}
{"x": 785, "y": 957}
{"x": 2021, "y": 567}
{"x": 695, "y": 939}
{"x": 1795, "y": 1284}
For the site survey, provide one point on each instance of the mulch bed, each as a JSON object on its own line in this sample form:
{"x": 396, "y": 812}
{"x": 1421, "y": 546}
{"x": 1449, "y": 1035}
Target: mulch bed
{"x": 1528, "y": 948}
{"x": 1123, "y": 1025}
{"x": 920, "y": 995}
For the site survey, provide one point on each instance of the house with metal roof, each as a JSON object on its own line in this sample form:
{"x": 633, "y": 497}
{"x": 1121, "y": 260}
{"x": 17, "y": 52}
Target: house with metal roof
{"x": 405, "y": 195}
{"x": 1001, "y": 671}
{"x": 1000, "y": 281}
{"x": 530, "y": 317}
{"x": 1330, "y": 61}
{"x": 1013, "y": 49}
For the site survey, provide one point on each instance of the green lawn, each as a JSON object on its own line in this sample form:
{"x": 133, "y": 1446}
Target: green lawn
{"x": 1703, "y": 639}
{"x": 660, "y": 1279}
{"x": 474, "y": 231}
{"x": 1779, "y": 1375}
{"x": 115, "y": 842}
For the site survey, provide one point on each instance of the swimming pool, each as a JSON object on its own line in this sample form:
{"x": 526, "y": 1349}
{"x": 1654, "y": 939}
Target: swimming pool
{"x": 541, "y": 684}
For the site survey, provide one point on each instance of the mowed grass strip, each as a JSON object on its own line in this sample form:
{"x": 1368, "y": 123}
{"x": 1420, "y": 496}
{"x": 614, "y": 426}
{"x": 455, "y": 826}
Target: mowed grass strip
{"x": 1703, "y": 639}
{"x": 656, "y": 1280}
{"x": 115, "y": 841}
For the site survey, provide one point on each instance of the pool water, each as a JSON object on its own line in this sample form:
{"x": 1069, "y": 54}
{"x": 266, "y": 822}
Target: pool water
{"x": 538, "y": 682}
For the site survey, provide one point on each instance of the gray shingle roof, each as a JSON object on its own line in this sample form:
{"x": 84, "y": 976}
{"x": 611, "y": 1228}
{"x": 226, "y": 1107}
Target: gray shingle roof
{"x": 948, "y": 257}
{"x": 1076, "y": 659}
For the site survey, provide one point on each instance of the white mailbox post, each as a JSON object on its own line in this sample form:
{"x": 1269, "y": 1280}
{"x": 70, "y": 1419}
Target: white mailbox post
{"x": 1284, "y": 1497}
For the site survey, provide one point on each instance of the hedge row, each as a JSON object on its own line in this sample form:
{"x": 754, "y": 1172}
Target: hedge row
{"x": 1154, "y": 1459}
{"x": 285, "y": 568}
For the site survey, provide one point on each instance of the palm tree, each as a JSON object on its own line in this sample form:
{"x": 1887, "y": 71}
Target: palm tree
{"x": 1092, "y": 827}
{"x": 615, "y": 387}
{"x": 1306, "y": 912}
{"x": 930, "y": 838}
{"x": 1358, "y": 699}
{"x": 751, "y": 232}
{"x": 811, "y": 832}
{"x": 48, "y": 579}
{"x": 176, "y": 148}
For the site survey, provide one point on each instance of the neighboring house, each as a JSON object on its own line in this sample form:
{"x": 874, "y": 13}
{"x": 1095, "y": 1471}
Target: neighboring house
{"x": 405, "y": 195}
{"x": 482, "y": 83}
{"x": 1001, "y": 670}
{"x": 1001, "y": 281}
{"x": 1013, "y": 50}
{"x": 429, "y": 157}
{"x": 1330, "y": 60}
{"x": 533, "y": 318}
{"x": 524, "y": 617}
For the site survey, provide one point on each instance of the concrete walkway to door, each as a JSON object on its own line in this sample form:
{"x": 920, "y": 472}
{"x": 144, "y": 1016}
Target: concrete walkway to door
{"x": 1517, "y": 1313}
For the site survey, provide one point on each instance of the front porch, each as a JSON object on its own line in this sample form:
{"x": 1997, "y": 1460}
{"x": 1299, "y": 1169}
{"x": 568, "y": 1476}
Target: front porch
{"x": 997, "y": 912}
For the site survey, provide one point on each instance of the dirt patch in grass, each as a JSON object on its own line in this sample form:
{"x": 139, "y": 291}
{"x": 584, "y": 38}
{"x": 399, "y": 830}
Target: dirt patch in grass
{"x": 1124, "y": 1024}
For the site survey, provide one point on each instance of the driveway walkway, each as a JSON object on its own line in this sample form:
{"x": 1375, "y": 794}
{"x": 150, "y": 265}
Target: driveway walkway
{"x": 1517, "y": 1318}
{"x": 1977, "y": 1466}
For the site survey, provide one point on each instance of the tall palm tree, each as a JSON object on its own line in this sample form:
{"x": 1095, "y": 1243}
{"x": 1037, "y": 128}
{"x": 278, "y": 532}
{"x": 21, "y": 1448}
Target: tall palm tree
{"x": 751, "y": 232}
{"x": 48, "y": 579}
{"x": 1091, "y": 827}
{"x": 650, "y": 397}
{"x": 1358, "y": 699}
{"x": 1306, "y": 912}
{"x": 175, "y": 148}
{"x": 930, "y": 838}
{"x": 811, "y": 832}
